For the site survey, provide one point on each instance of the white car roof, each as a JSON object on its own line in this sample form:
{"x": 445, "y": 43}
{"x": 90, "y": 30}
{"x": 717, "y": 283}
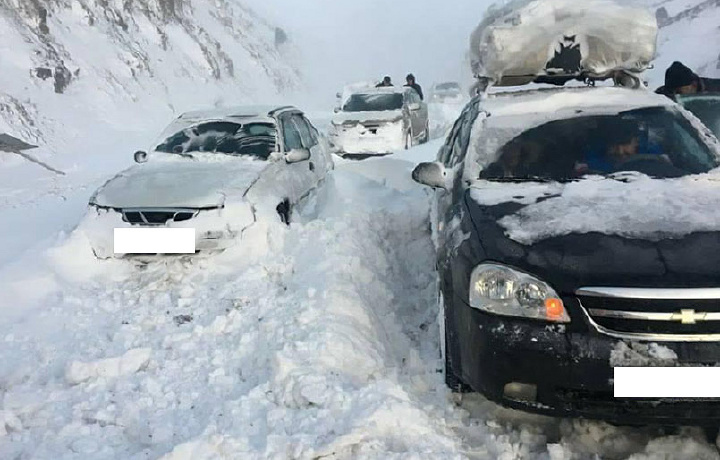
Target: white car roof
{"x": 256, "y": 112}
{"x": 553, "y": 100}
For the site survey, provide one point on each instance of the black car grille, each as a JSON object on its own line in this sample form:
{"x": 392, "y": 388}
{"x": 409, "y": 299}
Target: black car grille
{"x": 654, "y": 316}
{"x": 157, "y": 217}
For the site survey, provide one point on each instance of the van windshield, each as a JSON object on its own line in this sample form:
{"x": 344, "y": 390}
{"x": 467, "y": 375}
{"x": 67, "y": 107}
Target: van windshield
{"x": 374, "y": 102}
{"x": 659, "y": 142}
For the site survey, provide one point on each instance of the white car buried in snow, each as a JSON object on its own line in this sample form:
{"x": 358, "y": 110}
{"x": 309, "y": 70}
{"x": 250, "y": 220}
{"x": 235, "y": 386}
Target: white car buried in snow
{"x": 217, "y": 172}
{"x": 380, "y": 121}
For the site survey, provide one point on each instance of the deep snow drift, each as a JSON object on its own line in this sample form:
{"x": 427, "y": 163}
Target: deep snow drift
{"x": 318, "y": 340}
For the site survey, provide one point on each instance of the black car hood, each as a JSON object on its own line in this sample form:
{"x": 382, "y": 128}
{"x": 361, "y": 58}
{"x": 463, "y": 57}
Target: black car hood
{"x": 590, "y": 258}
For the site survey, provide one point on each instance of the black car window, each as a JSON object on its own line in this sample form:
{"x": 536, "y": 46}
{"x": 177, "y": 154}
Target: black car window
{"x": 306, "y": 135}
{"x": 467, "y": 116}
{"x": 462, "y": 139}
{"x": 707, "y": 109}
{"x": 374, "y": 102}
{"x": 253, "y": 139}
{"x": 659, "y": 142}
{"x": 291, "y": 134}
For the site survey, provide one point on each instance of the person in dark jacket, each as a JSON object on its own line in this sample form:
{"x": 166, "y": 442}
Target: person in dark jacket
{"x": 679, "y": 79}
{"x": 413, "y": 84}
{"x": 387, "y": 81}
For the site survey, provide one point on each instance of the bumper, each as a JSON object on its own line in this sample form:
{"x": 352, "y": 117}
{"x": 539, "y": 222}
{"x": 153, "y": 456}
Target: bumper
{"x": 212, "y": 230}
{"x": 558, "y": 371}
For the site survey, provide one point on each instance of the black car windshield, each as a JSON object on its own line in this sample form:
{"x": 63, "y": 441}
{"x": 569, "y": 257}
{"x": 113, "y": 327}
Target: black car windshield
{"x": 706, "y": 108}
{"x": 373, "y": 102}
{"x": 256, "y": 140}
{"x": 659, "y": 142}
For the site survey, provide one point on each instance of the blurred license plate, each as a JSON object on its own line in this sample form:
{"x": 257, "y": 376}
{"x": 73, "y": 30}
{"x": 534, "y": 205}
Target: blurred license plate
{"x": 154, "y": 241}
{"x": 667, "y": 382}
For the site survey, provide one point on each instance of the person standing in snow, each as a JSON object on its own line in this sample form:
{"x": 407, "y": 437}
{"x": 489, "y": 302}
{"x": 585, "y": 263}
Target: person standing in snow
{"x": 410, "y": 79}
{"x": 679, "y": 79}
{"x": 386, "y": 82}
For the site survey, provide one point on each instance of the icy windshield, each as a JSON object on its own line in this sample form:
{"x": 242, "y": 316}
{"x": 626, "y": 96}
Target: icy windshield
{"x": 658, "y": 142}
{"x": 256, "y": 140}
{"x": 706, "y": 108}
{"x": 373, "y": 102}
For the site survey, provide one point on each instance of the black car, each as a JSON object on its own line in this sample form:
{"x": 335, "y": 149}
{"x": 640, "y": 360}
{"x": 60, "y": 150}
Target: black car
{"x": 570, "y": 225}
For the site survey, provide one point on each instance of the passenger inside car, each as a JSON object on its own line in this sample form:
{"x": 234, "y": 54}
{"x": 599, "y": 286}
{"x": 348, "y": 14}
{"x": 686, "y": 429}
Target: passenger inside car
{"x": 654, "y": 142}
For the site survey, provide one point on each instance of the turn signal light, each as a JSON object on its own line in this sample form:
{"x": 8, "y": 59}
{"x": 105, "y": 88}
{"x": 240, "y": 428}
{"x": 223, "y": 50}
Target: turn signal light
{"x": 554, "y": 308}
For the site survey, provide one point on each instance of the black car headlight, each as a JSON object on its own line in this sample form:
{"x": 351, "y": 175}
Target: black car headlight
{"x": 501, "y": 290}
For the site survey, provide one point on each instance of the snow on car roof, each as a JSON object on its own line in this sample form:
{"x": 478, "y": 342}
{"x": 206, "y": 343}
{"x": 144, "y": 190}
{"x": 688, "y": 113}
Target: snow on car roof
{"x": 548, "y": 101}
{"x": 249, "y": 111}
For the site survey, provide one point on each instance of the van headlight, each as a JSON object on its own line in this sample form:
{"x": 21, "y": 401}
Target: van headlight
{"x": 501, "y": 290}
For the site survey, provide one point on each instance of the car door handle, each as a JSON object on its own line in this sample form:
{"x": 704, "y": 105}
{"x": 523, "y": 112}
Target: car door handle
{"x": 312, "y": 166}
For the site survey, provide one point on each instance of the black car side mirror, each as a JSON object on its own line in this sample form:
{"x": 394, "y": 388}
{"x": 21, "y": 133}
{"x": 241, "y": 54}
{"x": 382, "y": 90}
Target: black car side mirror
{"x": 297, "y": 155}
{"x": 431, "y": 174}
{"x": 140, "y": 156}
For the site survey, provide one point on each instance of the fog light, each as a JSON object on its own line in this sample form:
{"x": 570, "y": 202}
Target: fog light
{"x": 520, "y": 392}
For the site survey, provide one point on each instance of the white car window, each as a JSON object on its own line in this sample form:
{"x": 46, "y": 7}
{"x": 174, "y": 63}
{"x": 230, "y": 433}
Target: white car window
{"x": 308, "y": 139}
{"x": 291, "y": 135}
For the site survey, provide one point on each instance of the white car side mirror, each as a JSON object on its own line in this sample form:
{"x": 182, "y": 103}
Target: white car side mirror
{"x": 297, "y": 155}
{"x": 140, "y": 156}
{"x": 431, "y": 174}
{"x": 414, "y": 106}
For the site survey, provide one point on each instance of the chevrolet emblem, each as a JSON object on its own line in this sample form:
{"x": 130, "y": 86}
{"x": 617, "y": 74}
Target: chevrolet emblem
{"x": 689, "y": 316}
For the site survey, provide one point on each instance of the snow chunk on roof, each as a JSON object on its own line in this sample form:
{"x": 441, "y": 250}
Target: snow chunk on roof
{"x": 518, "y": 40}
{"x": 639, "y": 207}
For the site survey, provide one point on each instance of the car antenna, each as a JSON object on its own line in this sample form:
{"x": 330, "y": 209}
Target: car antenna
{"x": 14, "y": 145}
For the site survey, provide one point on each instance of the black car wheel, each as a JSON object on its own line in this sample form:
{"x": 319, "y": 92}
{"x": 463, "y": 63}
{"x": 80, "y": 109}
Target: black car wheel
{"x": 452, "y": 381}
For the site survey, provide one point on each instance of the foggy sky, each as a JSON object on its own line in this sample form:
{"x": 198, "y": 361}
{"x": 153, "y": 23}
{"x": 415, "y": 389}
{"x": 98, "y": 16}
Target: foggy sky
{"x": 345, "y": 41}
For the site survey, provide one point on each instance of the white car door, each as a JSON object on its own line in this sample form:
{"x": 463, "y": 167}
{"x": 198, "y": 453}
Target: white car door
{"x": 311, "y": 140}
{"x": 302, "y": 174}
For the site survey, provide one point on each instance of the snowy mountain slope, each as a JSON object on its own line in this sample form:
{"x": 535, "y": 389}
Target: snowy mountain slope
{"x": 91, "y": 81}
{"x": 689, "y": 32}
{"x": 172, "y": 53}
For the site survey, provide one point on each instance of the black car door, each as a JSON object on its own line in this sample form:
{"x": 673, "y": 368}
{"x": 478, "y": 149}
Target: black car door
{"x": 449, "y": 202}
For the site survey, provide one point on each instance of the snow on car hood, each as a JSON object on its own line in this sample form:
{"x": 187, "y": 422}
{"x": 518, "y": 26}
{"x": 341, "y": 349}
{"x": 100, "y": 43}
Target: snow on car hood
{"x": 634, "y": 207}
{"x": 178, "y": 183}
{"x": 388, "y": 115}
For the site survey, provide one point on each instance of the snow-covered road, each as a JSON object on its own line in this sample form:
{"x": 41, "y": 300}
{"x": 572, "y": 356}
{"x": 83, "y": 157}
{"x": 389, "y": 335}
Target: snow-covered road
{"x": 317, "y": 340}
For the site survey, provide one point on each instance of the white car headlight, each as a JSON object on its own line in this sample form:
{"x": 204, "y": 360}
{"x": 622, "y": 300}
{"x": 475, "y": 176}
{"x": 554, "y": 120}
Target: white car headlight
{"x": 503, "y": 291}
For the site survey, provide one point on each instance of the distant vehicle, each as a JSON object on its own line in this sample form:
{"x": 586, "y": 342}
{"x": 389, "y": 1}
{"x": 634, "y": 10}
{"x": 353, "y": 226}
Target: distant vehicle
{"x": 706, "y": 107}
{"x": 380, "y": 121}
{"x": 218, "y": 172}
{"x": 446, "y": 92}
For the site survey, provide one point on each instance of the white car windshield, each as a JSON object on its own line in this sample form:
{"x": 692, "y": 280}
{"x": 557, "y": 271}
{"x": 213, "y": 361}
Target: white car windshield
{"x": 655, "y": 141}
{"x": 373, "y": 102}
{"x": 256, "y": 140}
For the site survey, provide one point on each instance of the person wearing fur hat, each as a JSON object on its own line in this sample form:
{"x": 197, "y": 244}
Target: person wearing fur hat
{"x": 679, "y": 79}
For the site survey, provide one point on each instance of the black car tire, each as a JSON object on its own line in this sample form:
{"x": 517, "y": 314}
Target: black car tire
{"x": 453, "y": 382}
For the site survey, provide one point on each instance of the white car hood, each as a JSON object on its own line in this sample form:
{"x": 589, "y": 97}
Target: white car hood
{"x": 389, "y": 115}
{"x": 178, "y": 183}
